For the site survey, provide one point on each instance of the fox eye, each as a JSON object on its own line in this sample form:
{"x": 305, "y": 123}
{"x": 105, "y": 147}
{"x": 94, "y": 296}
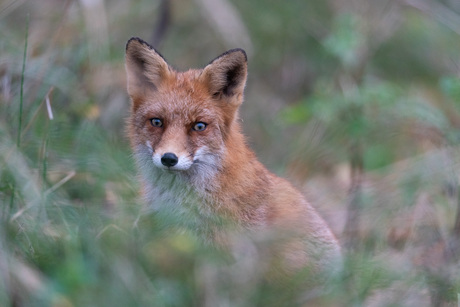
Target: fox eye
{"x": 156, "y": 122}
{"x": 199, "y": 126}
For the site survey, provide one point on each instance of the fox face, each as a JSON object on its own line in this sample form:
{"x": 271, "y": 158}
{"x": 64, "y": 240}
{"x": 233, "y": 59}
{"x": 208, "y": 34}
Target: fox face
{"x": 178, "y": 140}
{"x": 180, "y": 120}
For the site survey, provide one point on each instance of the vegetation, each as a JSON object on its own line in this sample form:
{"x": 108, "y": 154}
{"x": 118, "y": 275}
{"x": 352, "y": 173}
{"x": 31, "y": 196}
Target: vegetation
{"x": 357, "y": 102}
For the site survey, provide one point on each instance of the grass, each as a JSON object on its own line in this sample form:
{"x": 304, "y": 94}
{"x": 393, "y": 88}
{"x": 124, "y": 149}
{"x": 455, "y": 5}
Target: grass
{"x": 71, "y": 233}
{"x": 21, "y": 103}
{"x": 21, "y": 95}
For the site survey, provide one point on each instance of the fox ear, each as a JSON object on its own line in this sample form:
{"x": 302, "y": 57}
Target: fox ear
{"x": 226, "y": 75}
{"x": 145, "y": 68}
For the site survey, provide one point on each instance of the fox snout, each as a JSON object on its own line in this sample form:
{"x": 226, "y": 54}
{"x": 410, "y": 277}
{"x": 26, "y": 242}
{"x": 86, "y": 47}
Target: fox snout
{"x": 169, "y": 159}
{"x": 172, "y": 161}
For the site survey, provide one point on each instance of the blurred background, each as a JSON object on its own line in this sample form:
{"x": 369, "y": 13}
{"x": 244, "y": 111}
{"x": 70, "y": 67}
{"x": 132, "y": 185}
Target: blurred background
{"x": 357, "y": 102}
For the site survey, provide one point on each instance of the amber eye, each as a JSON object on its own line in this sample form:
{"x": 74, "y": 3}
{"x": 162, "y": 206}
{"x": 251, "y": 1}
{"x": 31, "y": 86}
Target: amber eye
{"x": 199, "y": 126}
{"x": 156, "y": 122}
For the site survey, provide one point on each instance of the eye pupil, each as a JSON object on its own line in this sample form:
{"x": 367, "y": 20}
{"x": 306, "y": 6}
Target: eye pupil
{"x": 156, "y": 122}
{"x": 200, "y": 126}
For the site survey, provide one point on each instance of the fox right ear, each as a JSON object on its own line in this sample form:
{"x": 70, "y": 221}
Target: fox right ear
{"x": 226, "y": 76}
{"x": 146, "y": 69}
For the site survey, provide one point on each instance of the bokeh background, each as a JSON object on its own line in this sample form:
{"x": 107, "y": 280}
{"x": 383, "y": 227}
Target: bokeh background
{"x": 357, "y": 102}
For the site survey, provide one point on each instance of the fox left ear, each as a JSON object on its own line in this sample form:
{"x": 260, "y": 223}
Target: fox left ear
{"x": 146, "y": 69}
{"x": 226, "y": 75}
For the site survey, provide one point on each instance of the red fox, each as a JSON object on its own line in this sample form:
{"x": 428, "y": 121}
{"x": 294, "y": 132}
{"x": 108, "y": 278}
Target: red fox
{"x": 195, "y": 165}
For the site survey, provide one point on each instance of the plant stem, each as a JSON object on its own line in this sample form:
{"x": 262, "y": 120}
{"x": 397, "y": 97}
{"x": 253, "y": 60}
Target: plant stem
{"x": 21, "y": 95}
{"x": 21, "y": 102}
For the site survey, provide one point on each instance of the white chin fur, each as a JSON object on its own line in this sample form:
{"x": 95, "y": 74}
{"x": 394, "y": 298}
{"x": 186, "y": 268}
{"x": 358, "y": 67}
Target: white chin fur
{"x": 200, "y": 170}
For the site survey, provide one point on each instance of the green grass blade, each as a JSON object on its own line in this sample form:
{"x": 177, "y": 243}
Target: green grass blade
{"x": 21, "y": 95}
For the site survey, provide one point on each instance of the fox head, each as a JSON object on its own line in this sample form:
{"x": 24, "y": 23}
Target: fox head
{"x": 181, "y": 120}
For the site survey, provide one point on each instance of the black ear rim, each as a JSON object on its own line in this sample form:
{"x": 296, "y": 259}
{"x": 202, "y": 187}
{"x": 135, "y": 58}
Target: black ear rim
{"x": 231, "y": 51}
{"x": 144, "y": 43}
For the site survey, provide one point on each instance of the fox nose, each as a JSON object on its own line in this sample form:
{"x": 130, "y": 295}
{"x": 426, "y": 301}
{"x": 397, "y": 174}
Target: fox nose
{"x": 169, "y": 159}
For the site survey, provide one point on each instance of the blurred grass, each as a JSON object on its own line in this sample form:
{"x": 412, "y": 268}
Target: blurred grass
{"x": 324, "y": 76}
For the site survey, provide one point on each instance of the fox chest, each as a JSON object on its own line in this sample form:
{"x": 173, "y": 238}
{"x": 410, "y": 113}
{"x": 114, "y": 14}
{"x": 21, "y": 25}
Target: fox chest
{"x": 179, "y": 202}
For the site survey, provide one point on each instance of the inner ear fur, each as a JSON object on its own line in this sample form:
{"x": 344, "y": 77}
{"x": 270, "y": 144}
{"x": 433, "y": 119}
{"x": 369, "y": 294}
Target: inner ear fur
{"x": 146, "y": 68}
{"x": 226, "y": 75}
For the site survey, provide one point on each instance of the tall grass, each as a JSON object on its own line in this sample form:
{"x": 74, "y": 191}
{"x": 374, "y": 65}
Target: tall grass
{"x": 21, "y": 95}
{"x": 21, "y": 102}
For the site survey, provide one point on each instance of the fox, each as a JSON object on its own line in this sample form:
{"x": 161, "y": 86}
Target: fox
{"x": 196, "y": 168}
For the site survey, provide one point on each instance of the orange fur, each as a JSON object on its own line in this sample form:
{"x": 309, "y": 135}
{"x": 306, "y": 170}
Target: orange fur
{"x": 204, "y": 177}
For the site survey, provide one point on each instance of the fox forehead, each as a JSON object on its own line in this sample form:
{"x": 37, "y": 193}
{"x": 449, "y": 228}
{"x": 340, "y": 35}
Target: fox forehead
{"x": 181, "y": 97}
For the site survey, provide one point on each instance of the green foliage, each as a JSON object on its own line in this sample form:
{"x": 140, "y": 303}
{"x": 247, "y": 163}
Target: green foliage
{"x": 345, "y": 40}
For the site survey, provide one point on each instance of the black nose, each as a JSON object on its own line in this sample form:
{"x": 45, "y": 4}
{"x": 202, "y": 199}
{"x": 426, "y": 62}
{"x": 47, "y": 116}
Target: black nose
{"x": 169, "y": 159}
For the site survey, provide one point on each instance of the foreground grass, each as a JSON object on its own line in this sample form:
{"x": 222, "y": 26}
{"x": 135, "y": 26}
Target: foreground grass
{"x": 72, "y": 235}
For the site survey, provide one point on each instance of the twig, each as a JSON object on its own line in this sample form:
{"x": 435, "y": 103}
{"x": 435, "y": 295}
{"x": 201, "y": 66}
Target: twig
{"x": 36, "y": 112}
{"x": 60, "y": 182}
